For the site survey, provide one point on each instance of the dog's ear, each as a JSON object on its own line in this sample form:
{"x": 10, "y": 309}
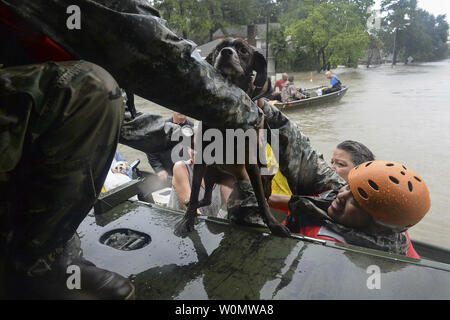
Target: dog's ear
{"x": 260, "y": 66}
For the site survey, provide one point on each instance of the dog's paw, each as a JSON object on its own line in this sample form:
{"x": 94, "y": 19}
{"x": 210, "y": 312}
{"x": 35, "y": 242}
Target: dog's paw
{"x": 184, "y": 226}
{"x": 279, "y": 230}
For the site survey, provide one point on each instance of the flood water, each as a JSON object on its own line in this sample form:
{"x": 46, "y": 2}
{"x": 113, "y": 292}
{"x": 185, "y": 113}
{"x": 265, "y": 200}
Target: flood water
{"x": 402, "y": 114}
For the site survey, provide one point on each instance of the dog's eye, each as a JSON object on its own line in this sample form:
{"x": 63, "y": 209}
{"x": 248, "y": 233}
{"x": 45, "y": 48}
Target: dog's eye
{"x": 244, "y": 51}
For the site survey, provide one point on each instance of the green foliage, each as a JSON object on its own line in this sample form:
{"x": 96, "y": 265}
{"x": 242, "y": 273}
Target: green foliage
{"x": 332, "y": 31}
{"x": 187, "y": 17}
{"x": 315, "y": 34}
{"x": 420, "y": 35}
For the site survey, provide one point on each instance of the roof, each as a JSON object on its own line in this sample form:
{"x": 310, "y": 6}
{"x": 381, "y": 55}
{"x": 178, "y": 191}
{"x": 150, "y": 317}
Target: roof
{"x": 208, "y": 47}
{"x": 242, "y": 30}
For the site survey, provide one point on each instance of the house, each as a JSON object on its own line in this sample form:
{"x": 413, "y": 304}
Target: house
{"x": 255, "y": 35}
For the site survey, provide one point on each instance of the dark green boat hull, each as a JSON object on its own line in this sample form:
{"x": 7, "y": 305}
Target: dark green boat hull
{"x": 225, "y": 261}
{"x": 313, "y": 101}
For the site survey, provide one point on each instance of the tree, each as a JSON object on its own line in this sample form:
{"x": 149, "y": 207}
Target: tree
{"x": 374, "y": 50}
{"x": 190, "y": 18}
{"x": 333, "y": 32}
{"x": 414, "y": 32}
{"x": 399, "y": 14}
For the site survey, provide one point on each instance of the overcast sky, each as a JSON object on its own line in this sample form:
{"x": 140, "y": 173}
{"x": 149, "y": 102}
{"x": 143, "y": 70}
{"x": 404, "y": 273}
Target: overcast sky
{"x": 434, "y": 7}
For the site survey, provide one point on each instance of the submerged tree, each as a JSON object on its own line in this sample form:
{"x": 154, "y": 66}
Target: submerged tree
{"x": 412, "y": 32}
{"x": 333, "y": 32}
{"x": 399, "y": 15}
{"x": 374, "y": 50}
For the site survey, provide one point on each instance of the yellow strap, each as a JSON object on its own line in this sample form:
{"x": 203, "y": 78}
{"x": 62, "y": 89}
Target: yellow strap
{"x": 279, "y": 182}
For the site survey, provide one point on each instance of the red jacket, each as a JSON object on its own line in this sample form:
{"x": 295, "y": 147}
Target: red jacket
{"x": 279, "y": 83}
{"x": 314, "y": 230}
{"x": 38, "y": 46}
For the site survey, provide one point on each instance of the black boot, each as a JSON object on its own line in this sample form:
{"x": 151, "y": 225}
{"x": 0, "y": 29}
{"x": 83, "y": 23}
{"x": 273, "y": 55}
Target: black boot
{"x": 64, "y": 274}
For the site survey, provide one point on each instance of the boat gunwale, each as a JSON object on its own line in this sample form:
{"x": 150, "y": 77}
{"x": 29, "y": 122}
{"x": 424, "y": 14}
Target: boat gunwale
{"x": 328, "y": 243}
{"x": 295, "y": 103}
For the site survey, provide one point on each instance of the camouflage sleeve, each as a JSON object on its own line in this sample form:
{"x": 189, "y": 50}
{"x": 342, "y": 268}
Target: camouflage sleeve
{"x": 304, "y": 168}
{"x": 131, "y": 41}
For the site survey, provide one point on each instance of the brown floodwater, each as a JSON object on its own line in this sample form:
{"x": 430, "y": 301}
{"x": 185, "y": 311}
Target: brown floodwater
{"x": 402, "y": 114}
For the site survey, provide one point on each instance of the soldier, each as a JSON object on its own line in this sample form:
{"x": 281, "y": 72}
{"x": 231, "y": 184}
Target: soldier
{"x": 60, "y": 123}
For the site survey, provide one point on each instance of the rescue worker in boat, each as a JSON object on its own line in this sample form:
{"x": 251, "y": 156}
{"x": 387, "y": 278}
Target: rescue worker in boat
{"x": 335, "y": 83}
{"x": 290, "y": 91}
{"x": 382, "y": 200}
{"x": 278, "y": 87}
{"x": 61, "y": 122}
{"x": 349, "y": 154}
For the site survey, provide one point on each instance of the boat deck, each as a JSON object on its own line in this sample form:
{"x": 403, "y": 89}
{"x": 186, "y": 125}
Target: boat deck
{"x": 223, "y": 261}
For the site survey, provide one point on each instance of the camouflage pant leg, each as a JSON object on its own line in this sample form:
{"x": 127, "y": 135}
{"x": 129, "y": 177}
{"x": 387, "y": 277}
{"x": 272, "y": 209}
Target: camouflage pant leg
{"x": 59, "y": 128}
{"x": 305, "y": 170}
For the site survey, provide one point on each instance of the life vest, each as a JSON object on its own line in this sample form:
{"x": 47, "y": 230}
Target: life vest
{"x": 37, "y": 45}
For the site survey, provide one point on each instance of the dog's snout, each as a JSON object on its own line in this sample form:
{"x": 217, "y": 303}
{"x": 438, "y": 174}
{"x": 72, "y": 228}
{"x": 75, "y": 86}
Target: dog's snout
{"x": 226, "y": 51}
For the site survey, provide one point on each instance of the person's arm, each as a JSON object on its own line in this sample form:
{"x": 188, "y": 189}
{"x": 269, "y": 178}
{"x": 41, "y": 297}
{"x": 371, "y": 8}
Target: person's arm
{"x": 146, "y": 63}
{"x": 154, "y": 160}
{"x": 304, "y": 168}
{"x": 279, "y": 201}
{"x": 225, "y": 191}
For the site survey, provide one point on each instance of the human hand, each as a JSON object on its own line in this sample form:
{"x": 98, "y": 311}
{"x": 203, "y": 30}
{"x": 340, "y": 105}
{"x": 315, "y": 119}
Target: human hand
{"x": 260, "y": 102}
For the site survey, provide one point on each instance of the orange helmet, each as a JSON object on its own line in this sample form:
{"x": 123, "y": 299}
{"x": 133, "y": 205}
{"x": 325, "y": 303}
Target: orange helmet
{"x": 394, "y": 195}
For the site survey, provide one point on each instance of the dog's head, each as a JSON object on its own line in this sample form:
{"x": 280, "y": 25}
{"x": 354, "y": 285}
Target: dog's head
{"x": 121, "y": 167}
{"x": 237, "y": 61}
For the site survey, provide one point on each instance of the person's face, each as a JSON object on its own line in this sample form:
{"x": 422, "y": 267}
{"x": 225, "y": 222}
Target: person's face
{"x": 346, "y": 210}
{"x": 341, "y": 162}
{"x": 178, "y": 117}
{"x": 328, "y": 75}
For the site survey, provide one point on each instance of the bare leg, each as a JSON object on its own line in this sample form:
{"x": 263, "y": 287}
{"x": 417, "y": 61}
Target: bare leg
{"x": 187, "y": 223}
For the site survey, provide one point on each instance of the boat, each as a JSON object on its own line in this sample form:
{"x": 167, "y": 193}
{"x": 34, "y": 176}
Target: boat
{"x": 221, "y": 260}
{"x": 313, "y": 100}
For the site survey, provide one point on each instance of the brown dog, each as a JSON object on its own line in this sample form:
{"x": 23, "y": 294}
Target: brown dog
{"x": 237, "y": 61}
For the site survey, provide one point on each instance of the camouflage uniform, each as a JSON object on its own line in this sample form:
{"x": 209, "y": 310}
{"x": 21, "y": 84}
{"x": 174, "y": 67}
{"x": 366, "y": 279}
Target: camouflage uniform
{"x": 290, "y": 93}
{"x": 312, "y": 210}
{"x": 54, "y": 151}
{"x": 60, "y": 122}
{"x": 61, "y": 146}
{"x": 305, "y": 170}
{"x": 130, "y": 40}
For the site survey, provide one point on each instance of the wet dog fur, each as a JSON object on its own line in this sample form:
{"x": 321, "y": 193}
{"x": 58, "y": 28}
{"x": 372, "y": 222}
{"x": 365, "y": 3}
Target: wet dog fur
{"x": 236, "y": 61}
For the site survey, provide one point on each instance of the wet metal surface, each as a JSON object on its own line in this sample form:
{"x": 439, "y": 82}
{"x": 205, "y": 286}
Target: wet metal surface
{"x": 221, "y": 261}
